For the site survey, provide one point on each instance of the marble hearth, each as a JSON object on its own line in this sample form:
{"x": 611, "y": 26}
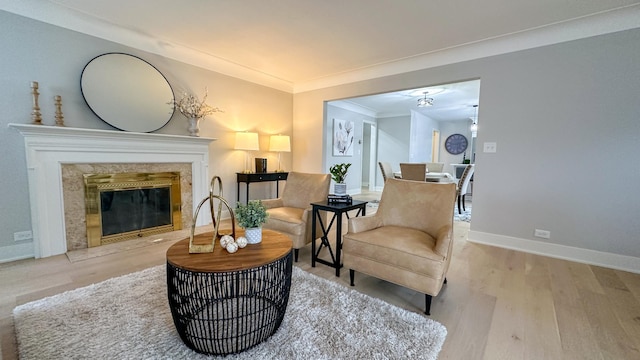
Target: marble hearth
{"x": 54, "y": 154}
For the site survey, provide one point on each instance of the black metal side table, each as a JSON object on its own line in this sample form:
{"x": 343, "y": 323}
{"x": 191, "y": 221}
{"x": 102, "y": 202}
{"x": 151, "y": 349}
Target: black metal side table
{"x": 337, "y": 209}
{"x": 225, "y": 303}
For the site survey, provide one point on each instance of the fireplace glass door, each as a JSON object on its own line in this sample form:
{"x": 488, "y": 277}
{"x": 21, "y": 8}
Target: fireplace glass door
{"x": 125, "y": 206}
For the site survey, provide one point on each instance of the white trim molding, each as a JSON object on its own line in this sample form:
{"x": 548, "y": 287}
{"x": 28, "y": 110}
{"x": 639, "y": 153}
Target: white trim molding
{"x": 48, "y": 147}
{"x": 586, "y": 256}
{"x": 16, "y": 252}
{"x": 610, "y": 21}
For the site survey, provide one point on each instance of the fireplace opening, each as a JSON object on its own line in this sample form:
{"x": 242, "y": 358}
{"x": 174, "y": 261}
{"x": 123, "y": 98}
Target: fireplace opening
{"x": 124, "y": 206}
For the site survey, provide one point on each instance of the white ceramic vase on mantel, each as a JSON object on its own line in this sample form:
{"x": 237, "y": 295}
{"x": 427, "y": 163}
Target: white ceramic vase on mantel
{"x": 253, "y": 235}
{"x": 194, "y": 126}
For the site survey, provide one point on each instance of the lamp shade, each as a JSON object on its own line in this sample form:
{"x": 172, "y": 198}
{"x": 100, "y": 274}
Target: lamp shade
{"x": 279, "y": 143}
{"x": 247, "y": 141}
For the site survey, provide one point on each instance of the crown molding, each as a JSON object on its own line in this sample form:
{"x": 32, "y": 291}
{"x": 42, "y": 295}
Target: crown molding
{"x": 51, "y": 13}
{"x": 620, "y": 19}
{"x": 350, "y": 106}
{"x": 593, "y": 25}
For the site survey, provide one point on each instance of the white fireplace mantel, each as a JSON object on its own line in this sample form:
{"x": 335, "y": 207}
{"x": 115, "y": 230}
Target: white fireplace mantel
{"x": 47, "y": 147}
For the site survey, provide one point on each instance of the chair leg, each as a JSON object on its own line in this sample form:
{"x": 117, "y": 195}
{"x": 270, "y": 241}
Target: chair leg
{"x": 352, "y": 275}
{"x": 463, "y": 208}
{"x": 427, "y": 301}
{"x": 295, "y": 254}
{"x": 459, "y": 211}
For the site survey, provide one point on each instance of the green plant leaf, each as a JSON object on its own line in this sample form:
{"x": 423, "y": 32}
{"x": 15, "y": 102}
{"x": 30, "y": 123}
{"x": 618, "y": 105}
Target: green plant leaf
{"x": 251, "y": 215}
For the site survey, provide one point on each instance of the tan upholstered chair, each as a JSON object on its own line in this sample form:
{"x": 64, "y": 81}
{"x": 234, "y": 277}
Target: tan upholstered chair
{"x": 291, "y": 212}
{"x": 463, "y": 185}
{"x": 435, "y": 167}
{"x": 408, "y": 241}
{"x": 387, "y": 171}
{"x": 413, "y": 171}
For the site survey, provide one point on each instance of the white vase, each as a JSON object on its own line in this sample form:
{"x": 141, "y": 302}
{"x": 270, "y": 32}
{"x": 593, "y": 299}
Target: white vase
{"x": 194, "y": 129}
{"x": 253, "y": 235}
{"x": 340, "y": 189}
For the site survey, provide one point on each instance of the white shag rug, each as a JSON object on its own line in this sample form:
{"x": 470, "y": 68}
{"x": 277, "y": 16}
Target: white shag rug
{"x": 128, "y": 317}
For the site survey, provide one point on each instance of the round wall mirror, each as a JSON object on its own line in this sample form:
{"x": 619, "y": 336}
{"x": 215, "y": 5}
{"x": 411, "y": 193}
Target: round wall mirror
{"x": 127, "y": 92}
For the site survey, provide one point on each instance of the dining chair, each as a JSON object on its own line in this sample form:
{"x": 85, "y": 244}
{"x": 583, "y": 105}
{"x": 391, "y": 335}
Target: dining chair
{"x": 413, "y": 171}
{"x": 435, "y": 167}
{"x": 387, "y": 171}
{"x": 463, "y": 185}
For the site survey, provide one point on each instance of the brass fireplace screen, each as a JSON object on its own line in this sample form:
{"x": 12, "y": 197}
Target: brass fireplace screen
{"x": 125, "y": 206}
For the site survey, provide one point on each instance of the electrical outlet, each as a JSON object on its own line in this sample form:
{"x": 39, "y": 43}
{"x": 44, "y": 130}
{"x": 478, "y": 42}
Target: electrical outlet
{"x": 490, "y": 147}
{"x": 22, "y": 235}
{"x": 545, "y": 234}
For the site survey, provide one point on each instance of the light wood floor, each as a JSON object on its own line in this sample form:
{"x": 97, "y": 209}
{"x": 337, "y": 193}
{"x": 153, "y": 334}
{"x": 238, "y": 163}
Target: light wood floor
{"x": 498, "y": 303}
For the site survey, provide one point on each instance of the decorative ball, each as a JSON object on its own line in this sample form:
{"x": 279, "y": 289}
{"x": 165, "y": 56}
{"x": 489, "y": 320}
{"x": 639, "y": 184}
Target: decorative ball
{"x": 232, "y": 247}
{"x": 225, "y": 240}
{"x": 241, "y": 242}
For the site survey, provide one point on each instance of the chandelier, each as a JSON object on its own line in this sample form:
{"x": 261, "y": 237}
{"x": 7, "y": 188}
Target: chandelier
{"x": 474, "y": 124}
{"x": 424, "y": 102}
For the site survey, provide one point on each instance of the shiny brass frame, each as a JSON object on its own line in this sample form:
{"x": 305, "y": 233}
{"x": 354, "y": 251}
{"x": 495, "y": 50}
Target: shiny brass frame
{"x": 96, "y": 183}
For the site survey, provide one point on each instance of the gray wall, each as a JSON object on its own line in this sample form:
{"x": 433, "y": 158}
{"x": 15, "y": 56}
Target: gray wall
{"x": 565, "y": 119}
{"x": 55, "y": 57}
{"x": 354, "y": 176}
{"x": 394, "y": 135}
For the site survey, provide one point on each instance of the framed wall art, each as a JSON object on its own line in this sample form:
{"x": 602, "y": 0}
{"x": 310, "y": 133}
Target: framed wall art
{"x": 342, "y": 137}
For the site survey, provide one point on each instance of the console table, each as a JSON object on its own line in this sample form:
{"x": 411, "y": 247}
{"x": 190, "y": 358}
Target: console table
{"x": 249, "y": 178}
{"x": 337, "y": 209}
{"x": 224, "y": 303}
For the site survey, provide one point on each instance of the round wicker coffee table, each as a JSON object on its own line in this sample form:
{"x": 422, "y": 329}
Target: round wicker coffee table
{"x": 225, "y": 303}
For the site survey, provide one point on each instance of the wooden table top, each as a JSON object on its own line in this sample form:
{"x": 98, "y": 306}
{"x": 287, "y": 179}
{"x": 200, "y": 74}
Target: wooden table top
{"x": 274, "y": 246}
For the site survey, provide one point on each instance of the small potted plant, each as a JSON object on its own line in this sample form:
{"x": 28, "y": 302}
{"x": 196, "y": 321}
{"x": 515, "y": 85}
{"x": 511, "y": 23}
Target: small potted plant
{"x": 338, "y": 174}
{"x": 251, "y": 217}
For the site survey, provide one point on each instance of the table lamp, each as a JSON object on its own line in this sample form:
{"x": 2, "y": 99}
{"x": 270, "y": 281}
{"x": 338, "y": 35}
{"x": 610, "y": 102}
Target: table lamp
{"x": 279, "y": 143}
{"x": 247, "y": 141}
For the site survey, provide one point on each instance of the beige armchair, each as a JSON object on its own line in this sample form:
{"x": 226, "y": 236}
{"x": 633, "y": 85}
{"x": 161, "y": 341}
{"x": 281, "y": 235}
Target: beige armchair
{"x": 291, "y": 213}
{"x": 408, "y": 241}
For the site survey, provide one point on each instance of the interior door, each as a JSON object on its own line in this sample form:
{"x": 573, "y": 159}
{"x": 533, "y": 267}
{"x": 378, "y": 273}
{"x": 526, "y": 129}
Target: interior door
{"x": 435, "y": 146}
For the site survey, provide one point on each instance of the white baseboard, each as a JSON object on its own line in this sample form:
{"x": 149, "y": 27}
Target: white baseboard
{"x": 586, "y": 256}
{"x": 17, "y": 252}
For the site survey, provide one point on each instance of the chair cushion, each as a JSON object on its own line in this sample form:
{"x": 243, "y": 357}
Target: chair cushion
{"x": 401, "y": 247}
{"x": 286, "y": 219}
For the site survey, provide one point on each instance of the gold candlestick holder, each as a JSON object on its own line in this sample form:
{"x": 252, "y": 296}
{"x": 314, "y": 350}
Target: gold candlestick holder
{"x": 36, "y": 116}
{"x": 59, "y": 117}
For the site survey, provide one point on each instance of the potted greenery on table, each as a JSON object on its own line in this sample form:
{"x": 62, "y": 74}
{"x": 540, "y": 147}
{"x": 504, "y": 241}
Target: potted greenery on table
{"x": 338, "y": 174}
{"x": 251, "y": 217}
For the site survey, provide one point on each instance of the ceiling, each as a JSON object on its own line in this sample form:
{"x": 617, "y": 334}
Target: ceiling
{"x": 301, "y": 45}
{"x": 451, "y": 102}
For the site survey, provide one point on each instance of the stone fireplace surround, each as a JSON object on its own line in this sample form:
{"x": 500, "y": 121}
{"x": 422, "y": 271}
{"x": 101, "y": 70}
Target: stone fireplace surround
{"x": 48, "y": 148}
{"x": 73, "y": 190}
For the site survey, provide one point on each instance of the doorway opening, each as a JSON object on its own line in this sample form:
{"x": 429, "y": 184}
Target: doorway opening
{"x": 391, "y": 127}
